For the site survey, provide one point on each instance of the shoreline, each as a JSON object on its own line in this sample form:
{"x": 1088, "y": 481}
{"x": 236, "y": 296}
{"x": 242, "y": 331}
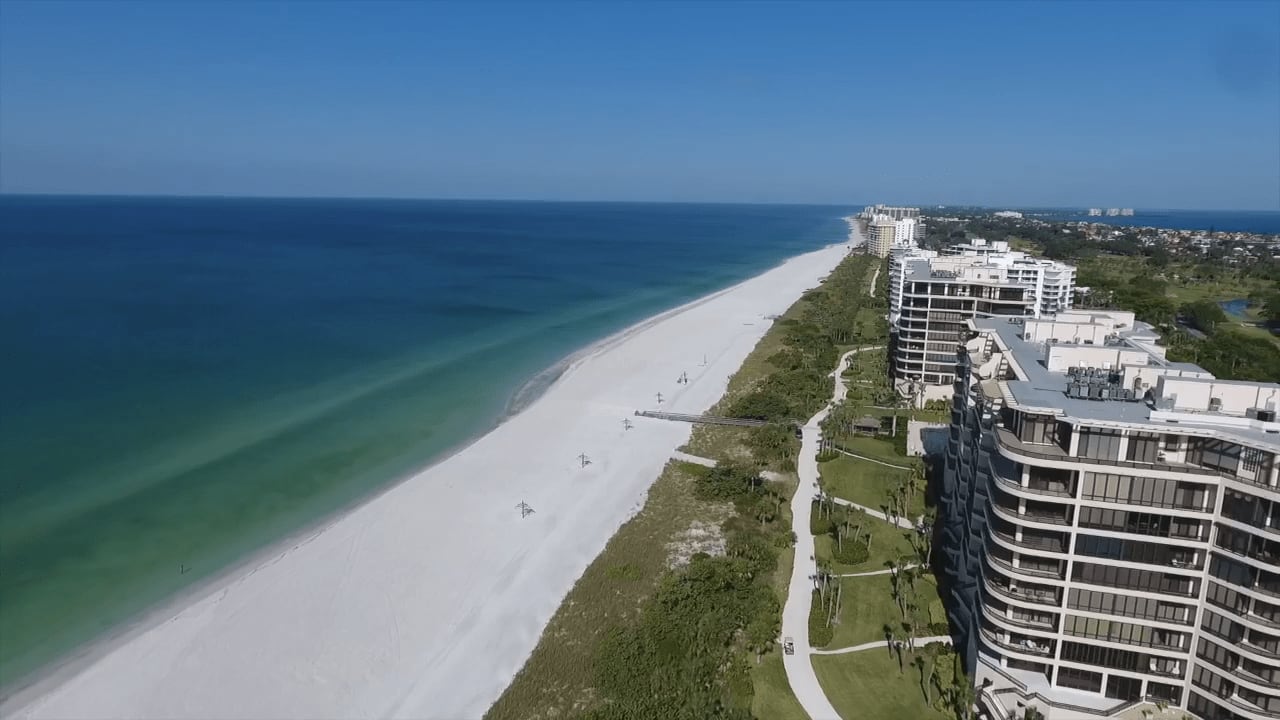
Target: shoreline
{"x": 36, "y": 692}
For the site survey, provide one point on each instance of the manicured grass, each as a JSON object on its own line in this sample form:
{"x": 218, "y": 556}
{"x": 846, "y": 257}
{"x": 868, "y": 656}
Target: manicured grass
{"x": 887, "y": 543}
{"x": 877, "y": 448}
{"x": 868, "y": 685}
{"x": 865, "y": 607}
{"x": 868, "y": 604}
{"x": 865, "y": 483}
{"x": 773, "y": 698}
{"x": 556, "y": 680}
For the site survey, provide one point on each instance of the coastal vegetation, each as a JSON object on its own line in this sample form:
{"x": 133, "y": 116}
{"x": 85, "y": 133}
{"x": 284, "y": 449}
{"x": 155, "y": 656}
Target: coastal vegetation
{"x": 697, "y": 639}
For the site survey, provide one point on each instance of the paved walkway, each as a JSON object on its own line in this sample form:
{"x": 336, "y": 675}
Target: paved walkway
{"x": 882, "y": 644}
{"x": 903, "y": 523}
{"x": 876, "y": 572}
{"x": 696, "y": 460}
{"x": 795, "y": 614}
{"x": 868, "y": 459}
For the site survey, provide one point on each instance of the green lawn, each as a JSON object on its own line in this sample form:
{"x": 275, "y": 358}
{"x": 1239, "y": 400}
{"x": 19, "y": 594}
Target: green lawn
{"x": 865, "y": 607}
{"x": 868, "y": 604}
{"x": 877, "y": 448}
{"x": 869, "y": 686}
{"x": 773, "y": 698}
{"x": 887, "y": 543}
{"x": 865, "y": 483}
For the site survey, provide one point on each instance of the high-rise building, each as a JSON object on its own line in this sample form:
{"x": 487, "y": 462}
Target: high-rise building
{"x": 882, "y": 232}
{"x": 1110, "y": 524}
{"x": 893, "y": 213}
{"x": 931, "y": 297}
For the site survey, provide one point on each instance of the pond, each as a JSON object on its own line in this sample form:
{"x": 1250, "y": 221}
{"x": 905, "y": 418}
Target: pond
{"x": 1234, "y": 308}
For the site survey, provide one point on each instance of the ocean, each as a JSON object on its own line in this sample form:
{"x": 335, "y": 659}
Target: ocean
{"x": 188, "y": 380}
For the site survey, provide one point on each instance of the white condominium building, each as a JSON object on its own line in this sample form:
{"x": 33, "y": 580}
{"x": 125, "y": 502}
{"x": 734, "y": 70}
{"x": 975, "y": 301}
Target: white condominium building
{"x": 893, "y": 213}
{"x": 884, "y": 234}
{"x": 1110, "y": 525}
{"x": 931, "y": 297}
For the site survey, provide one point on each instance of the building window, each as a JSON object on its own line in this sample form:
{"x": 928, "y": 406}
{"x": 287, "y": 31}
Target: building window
{"x": 1099, "y": 443}
{"x": 1079, "y": 679}
{"x": 1253, "y": 460}
{"x": 1222, "y": 627}
{"x": 1225, "y": 597}
{"x": 1123, "y": 688}
{"x": 1217, "y": 655}
{"x": 1171, "y": 694}
{"x": 1143, "y": 447}
{"x": 1216, "y": 454}
{"x": 1231, "y": 571}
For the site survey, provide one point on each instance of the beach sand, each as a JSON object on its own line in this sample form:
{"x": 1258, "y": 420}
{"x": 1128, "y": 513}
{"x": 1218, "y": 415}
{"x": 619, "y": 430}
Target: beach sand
{"x": 425, "y": 601}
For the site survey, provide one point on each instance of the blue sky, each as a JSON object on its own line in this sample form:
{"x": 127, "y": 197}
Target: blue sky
{"x": 1148, "y": 105}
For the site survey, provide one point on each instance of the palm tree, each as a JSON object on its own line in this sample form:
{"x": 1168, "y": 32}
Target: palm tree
{"x": 894, "y": 634}
{"x": 925, "y": 667}
{"x": 962, "y": 695}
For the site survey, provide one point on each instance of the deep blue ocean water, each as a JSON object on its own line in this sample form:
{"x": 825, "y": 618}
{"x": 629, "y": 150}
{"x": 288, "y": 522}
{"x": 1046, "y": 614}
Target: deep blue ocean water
{"x": 186, "y": 380}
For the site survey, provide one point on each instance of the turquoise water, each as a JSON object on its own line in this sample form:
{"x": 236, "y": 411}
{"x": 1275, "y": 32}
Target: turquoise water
{"x": 187, "y": 380}
{"x": 1235, "y": 308}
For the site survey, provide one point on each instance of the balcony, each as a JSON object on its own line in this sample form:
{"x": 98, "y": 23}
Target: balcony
{"x": 1024, "y": 645}
{"x": 1047, "y": 599}
{"x": 1033, "y": 542}
{"x": 1053, "y": 453}
{"x": 997, "y": 616}
{"x": 1006, "y": 565}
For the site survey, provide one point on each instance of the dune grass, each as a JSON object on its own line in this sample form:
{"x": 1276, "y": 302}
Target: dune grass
{"x": 556, "y": 681}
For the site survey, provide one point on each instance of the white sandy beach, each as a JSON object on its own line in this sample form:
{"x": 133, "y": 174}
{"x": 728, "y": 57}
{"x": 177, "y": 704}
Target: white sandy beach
{"x": 425, "y": 602}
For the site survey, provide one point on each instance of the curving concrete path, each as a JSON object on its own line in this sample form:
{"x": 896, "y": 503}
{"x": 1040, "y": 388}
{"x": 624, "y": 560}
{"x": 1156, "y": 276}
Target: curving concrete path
{"x": 882, "y": 644}
{"x": 878, "y": 462}
{"x": 795, "y": 614}
{"x": 901, "y": 522}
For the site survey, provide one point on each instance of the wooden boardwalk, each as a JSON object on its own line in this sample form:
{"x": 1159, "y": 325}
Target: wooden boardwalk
{"x": 705, "y": 419}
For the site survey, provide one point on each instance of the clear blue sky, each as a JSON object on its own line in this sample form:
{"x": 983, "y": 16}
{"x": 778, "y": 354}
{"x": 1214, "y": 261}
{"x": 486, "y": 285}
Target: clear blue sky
{"x": 1150, "y": 105}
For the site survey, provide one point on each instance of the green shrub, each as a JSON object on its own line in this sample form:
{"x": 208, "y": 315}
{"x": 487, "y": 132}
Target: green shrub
{"x": 819, "y": 525}
{"x": 726, "y": 481}
{"x": 819, "y": 633}
{"x": 851, "y": 553}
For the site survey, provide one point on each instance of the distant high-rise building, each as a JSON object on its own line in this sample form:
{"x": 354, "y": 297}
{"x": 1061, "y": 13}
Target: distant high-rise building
{"x": 1110, "y": 525}
{"x": 893, "y": 213}
{"x": 881, "y": 235}
{"x": 1095, "y": 212}
{"x": 932, "y": 295}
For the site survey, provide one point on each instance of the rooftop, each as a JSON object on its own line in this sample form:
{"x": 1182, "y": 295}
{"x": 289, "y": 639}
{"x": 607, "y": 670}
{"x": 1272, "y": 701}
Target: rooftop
{"x": 1087, "y": 380}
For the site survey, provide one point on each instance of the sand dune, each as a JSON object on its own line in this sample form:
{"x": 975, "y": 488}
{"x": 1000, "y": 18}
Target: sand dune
{"x": 425, "y": 601}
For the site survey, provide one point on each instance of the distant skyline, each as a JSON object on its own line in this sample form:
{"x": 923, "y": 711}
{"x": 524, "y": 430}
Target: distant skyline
{"x": 1144, "y": 105}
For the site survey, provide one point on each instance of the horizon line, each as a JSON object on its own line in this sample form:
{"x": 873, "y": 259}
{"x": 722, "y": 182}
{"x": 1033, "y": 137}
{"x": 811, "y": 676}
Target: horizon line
{"x": 407, "y": 198}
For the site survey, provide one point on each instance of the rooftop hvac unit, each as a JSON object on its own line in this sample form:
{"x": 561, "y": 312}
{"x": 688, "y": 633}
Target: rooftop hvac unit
{"x": 1215, "y": 404}
{"x": 1266, "y": 415}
